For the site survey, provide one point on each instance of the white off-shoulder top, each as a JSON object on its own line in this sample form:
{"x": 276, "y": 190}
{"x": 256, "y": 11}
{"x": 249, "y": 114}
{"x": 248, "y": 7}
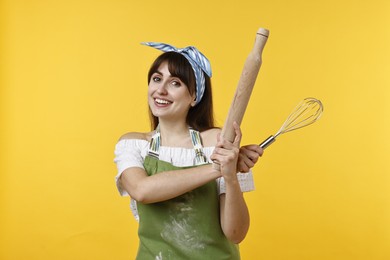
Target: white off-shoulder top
{"x": 132, "y": 152}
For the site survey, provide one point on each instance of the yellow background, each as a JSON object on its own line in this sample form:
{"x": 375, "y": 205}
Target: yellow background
{"x": 73, "y": 79}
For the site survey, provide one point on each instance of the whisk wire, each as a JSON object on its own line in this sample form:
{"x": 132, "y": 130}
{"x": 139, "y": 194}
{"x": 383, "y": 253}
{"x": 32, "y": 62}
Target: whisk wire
{"x": 305, "y": 113}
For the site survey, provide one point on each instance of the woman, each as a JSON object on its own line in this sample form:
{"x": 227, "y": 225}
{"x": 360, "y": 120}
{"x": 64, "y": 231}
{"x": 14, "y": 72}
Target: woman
{"x": 185, "y": 209}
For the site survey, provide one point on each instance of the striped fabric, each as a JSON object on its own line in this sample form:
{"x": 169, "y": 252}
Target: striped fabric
{"x": 198, "y": 61}
{"x": 154, "y": 146}
{"x": 200, "y": 158}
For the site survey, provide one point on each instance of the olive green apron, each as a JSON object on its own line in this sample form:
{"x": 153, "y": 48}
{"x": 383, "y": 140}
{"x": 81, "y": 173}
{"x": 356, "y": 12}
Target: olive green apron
{"x": 185, "y": 227}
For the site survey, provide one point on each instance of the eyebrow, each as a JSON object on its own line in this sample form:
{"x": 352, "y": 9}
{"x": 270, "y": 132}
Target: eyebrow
{"x": 170, "y": 75}
{"x": 158, "y": 72}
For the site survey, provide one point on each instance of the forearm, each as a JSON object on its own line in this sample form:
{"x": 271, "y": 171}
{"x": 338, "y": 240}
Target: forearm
{"x": 169, "y": 184}
{"x": 234, "y": 212}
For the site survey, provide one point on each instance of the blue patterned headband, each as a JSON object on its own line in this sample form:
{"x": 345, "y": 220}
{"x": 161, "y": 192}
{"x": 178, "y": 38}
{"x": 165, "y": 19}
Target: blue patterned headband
{"x": 198, "y": 61}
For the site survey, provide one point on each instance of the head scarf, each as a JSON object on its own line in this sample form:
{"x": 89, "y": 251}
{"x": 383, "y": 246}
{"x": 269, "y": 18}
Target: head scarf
{"x": 198, "y": 61}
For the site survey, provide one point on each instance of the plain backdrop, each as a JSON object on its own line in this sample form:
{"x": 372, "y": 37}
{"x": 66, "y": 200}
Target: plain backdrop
{"x": 74, "y": 79}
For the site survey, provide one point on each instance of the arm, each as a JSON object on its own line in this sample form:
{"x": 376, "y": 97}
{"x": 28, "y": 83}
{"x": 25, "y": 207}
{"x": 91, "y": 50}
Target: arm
{"x": 234, "y": 214}
{"x": 165, "y": 185}
{"x": 233, "y": 209}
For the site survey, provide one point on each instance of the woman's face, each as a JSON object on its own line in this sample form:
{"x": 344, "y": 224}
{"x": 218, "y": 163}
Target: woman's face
{"x": 168, "y": 96}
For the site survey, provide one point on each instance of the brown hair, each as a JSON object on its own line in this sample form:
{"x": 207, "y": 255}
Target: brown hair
{"x": 199, "y": 117}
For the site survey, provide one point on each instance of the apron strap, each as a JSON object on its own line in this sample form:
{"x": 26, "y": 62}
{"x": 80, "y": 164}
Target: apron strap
{"x": 200, "y": 158}
{"x": 154, "y": 146}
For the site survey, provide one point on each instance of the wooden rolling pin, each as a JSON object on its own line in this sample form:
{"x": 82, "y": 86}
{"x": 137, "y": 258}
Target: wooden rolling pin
{"x": 245, "y": 86}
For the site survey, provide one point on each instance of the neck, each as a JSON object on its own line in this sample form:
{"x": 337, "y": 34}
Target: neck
{"x": 173, "y": 133}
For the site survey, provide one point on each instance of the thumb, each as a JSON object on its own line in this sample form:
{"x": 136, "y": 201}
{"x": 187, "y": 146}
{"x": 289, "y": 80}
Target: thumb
{"x": 237, "y": 130}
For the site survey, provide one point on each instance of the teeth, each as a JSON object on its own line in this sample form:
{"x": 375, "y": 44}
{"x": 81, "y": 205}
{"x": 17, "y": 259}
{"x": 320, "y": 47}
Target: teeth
{"x": 161, "y": 101}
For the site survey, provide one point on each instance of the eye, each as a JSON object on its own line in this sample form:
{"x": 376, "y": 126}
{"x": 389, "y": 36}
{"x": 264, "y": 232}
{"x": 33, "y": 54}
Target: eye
{"x": 156, "y": 78}
{"x": 176, "y": 83}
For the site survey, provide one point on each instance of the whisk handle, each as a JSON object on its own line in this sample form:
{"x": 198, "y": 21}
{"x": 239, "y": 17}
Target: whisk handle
{"x": 267, "y": 142}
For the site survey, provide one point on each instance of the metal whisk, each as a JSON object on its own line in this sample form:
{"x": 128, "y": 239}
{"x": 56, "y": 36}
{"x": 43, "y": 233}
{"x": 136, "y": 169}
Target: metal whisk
{"x": 305, "y": 113}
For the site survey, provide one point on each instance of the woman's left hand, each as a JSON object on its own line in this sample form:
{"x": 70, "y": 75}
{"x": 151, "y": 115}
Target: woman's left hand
{"x": 226, "y": 154}
{"x": 248, "y": 157}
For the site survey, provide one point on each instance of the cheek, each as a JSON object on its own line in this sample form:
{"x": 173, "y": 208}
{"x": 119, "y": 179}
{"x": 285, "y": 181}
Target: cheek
{"x": 150, "y": 93}
{"x": 151, "y": 90}
{"x": 189, "y": 96}
{"x": 184, "y": 94}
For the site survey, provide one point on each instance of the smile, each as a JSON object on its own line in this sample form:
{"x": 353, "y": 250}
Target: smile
{"x": 162, "y": 101}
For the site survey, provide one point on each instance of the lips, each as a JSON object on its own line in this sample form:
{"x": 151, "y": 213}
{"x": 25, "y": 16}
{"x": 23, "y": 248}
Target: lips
{"x": 162, "y": 102}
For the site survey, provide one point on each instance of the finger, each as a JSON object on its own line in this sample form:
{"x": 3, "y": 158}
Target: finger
{"x": 253, "y": 156}
{"x": 244, "y": 164}
{"x": 247, "y": 161}
{"x": 255, "y": 148}
{"x": 219, "y": 159}
{"x": 223, "y": 143}
{"x": 242, "y": 167}
{"x": 249, "y": 153}
{"x": 237, "y": 130}
{"x": 218, "y": 137}
{"x": 222, "y": 151}
{"x": 218, "y": 143}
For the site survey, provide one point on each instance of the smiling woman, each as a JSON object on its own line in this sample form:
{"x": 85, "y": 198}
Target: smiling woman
{"x": 168, "y": 172}
{"x": 199, "y": 117}
{"x": 169, "y": 97}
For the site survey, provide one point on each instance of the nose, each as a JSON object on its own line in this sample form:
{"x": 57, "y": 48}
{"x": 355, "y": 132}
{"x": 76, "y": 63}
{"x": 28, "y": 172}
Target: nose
{"x": 162, "y": 88}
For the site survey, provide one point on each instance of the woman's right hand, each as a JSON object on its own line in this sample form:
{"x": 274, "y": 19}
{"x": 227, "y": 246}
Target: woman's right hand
{"x": 226, "y": 154}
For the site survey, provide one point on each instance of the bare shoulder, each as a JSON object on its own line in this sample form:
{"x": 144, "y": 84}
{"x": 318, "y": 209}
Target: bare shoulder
{"x": 136, "y": 135}
{"x": 209, "y": 137}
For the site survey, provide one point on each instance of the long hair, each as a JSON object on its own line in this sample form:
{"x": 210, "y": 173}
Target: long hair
{"x": 199, "y": 117}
